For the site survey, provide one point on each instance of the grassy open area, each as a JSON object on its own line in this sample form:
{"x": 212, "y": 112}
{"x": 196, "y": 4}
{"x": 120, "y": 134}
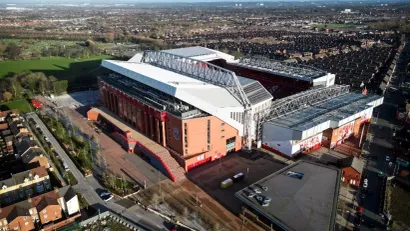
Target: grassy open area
{"x": 21, "y": 104}
{"x": 61, "y": 68}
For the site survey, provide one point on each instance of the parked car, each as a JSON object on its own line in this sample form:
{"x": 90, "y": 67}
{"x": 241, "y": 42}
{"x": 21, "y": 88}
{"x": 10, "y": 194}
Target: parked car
{"x": 267, "y": 199}
{"x": 387, "y": 158}
{"x": 256, "y": 190}
{"x": 251, "y": 194}
{"x": 106, "y": 196}
{"x": 365, "y": 184}
{"x": 265, "y": 204}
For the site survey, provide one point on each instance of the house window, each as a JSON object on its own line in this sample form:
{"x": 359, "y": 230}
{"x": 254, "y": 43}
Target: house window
{"x": 16, "y": 228}
{"x": 45, "y": 215}
{"x": 44, "y": 211}
{"x": 46, "y": 221}
{"x": 24, "y": 218}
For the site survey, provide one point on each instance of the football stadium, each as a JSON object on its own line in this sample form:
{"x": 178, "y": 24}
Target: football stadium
{"x": 182, "y": 108}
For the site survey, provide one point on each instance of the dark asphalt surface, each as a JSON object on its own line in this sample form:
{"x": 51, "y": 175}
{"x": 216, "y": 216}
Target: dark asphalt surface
{"x": 379, "y": 145}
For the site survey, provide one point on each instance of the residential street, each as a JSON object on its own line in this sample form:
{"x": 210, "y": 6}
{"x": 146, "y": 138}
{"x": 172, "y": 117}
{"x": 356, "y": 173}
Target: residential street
{"x": 378, "y": 144}
{"x": 87, "y": 187}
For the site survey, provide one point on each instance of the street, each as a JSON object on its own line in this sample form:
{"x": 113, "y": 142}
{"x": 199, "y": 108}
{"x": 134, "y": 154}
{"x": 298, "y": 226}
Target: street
{"x": 88, "y": 186}
{"x": 378, "y": 144}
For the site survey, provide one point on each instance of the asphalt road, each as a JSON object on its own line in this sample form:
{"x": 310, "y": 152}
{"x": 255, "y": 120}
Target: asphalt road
{"x": 379, "y": 144}
{"x": 88, "y": 186}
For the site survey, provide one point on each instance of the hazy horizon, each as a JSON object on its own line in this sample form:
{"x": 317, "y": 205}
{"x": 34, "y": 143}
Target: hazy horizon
{"x": 187, "y": 1}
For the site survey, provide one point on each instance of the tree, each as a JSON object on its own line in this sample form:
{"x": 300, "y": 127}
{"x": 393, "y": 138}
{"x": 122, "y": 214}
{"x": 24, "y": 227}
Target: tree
{"x": 14, "y": 86}
{"x": 13, "y": 50}
{"x": 7, "y": 96}
{"x": 109, "y": 37}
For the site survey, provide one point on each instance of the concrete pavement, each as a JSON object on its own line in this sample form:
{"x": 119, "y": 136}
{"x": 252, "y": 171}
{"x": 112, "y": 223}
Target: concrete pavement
{"x": 87, "y": 187}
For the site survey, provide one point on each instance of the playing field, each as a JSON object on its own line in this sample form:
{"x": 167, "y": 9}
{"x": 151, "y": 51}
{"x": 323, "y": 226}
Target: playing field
{"x": 22, "y": 105}
{"x": 61, "y": 68}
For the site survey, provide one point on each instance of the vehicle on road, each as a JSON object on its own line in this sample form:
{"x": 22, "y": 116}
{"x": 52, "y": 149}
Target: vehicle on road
{"x": 387, "y": 158}
{"x": 65, "y": 165}
{"x": 104, "y": 194}
{"x": 365, "y": 184}
{"x": 380, "y": 174}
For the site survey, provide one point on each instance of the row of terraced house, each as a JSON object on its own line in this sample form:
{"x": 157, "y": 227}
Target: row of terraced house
{"x": 28, "y": 198}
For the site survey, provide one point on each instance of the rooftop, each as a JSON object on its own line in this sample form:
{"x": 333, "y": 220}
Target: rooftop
{"x": 333, "y": 109}
{"x": 190, "y": 51}
{"x": 304, "y": 192}
{"x": 199, "y": 53}
{"x": 42, "y": 201}
{"x": 172, "y": 83}
{"x": 290, "y": 70}
{"x": 20, "y": 177}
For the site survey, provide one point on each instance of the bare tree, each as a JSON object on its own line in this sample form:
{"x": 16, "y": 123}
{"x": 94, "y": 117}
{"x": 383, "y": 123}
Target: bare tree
{"x": 7, "y": 96}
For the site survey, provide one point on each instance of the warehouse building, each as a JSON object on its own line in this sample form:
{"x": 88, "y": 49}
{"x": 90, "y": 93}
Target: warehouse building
{"x": 301, "y": 196}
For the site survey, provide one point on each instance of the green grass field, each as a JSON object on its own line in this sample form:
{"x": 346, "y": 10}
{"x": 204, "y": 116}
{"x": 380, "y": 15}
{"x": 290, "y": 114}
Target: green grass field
{"x": 21, "y": 104}
{"x": 61, "y": 68}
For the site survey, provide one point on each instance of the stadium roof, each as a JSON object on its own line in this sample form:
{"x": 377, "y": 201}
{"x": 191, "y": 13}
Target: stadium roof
{"x": 333, "y": 109}
{"x": 304, "y": 197}
{"x": 254, "y": 90}
{"x": 190, "y": 51}
{"x": 199, "y": 53}
{"x": 180, "y": 86}
{"x": 290, "y": 70}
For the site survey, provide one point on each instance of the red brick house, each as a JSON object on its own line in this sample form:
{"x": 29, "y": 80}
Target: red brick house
{"x": 352, "y": 169}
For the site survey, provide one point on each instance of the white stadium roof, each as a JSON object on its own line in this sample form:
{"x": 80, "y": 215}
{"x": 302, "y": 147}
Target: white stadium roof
{"x": 180, "y": 86}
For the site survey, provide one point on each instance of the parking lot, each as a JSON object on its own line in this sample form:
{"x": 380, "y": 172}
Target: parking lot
{"x": 209, "y": 176}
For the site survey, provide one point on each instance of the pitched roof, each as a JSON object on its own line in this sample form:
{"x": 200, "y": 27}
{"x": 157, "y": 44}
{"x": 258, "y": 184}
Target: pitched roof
{"x": 19, "y": 178}
{"x": 5, "y": 113}
{"x": 4, "y": 126}
{"x": 13, "y": 211}
{"x": 23, "y": 144}
{"x": 355, "y": 163}
{"x": 67, "y": 192}
{"x": 44, "y": 200}
{"x": 30, "y": 155}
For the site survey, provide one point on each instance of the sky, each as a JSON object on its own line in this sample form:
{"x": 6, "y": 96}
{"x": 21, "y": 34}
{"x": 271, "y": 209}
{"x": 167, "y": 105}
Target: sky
{"x": 170, "y": 1}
